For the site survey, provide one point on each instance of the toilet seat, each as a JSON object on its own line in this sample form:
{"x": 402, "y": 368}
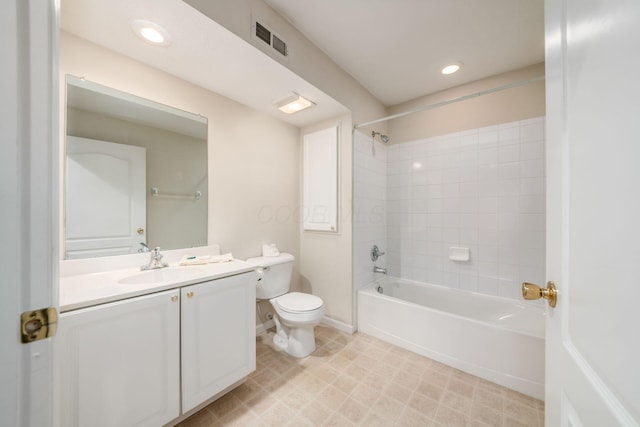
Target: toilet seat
{"x": 298, "y": 302}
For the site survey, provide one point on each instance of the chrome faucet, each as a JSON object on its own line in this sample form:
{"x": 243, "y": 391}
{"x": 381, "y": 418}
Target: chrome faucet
{"x": 377, "y": 269}
{"x": 143, "y": 248}
{"x": 155, "y": 261}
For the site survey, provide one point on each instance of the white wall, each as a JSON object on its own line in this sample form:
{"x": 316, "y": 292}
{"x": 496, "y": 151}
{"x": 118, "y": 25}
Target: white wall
{"x": 253, "y": 159}
{"x": 519, "y": 103}
{"x": 325, "y": 257}
{"x": 482, "y": 189}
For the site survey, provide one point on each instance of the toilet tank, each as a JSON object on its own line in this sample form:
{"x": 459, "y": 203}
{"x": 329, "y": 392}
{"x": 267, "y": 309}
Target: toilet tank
{"x": 275, "y": 275}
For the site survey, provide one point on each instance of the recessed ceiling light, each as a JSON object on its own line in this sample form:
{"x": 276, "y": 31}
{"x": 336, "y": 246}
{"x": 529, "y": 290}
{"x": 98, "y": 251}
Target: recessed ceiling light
{"x": 293, "y": 103}
{"x": 451, "y": 68}
{"x": 151, "y": 32}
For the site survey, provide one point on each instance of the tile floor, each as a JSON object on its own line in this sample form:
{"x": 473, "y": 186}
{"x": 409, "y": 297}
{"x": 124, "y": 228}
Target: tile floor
{"x": 358, "y": 380}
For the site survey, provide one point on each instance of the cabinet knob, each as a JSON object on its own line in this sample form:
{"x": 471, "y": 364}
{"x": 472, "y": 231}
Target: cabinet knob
{"x": 174, "y": 298}
{"x": 189, "y": 294}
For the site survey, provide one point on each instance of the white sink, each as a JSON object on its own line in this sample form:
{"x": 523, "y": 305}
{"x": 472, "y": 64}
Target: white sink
{"x": 160, "y": 275}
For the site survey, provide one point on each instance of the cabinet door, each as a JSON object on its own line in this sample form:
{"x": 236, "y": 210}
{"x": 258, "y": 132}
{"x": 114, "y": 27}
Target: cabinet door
{"x": 119, "y": 363}
{"x": 218, "y": 336}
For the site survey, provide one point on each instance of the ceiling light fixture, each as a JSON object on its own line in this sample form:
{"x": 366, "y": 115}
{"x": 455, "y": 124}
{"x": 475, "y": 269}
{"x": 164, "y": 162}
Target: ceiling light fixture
{"x": 293, "y": 103}
{"x": 451, "y": 68}
{"x": 151, "y": 32}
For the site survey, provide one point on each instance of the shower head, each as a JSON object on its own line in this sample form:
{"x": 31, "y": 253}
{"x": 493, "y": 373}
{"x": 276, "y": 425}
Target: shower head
{"x": 383, "y": 138}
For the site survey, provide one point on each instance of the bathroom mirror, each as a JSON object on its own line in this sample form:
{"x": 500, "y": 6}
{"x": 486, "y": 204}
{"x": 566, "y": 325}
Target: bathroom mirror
{"x": 135, "y": 173}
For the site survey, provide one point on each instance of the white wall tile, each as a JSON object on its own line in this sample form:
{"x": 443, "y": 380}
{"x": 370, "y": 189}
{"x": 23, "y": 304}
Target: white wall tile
{"x": 483, "y": 189}
{"x": 509, "y": 153}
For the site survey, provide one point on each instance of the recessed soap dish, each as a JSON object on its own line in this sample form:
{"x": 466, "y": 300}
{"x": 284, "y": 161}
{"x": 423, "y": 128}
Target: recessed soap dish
{"x": 458, "y": 254}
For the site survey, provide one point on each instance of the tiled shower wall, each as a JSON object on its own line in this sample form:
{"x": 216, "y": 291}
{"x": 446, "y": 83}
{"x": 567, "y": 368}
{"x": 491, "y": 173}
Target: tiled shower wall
{"x": 369, "y": 206}
{"x": 482, "y": 189}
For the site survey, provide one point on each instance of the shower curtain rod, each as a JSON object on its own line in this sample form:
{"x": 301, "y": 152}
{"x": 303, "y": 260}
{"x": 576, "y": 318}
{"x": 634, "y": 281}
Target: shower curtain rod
{"x": 451, "y": 101}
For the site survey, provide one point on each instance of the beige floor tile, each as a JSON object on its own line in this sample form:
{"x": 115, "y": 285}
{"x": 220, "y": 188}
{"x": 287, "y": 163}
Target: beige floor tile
{"x": 486, "y": 415}
{"x": 388, "y": 408}
{"x": 353, "y": 410}
{"x": 375, "y": 420}
{"x": 450, "y": 418}
{"x": 365, "y": 394}
{"x": 433, "y": 376}
{"x": 246, "y": 390}
{"x": 331, "y": 397}
{"x": 202, "y": 418}
{"x": 423, "y": 404}
{"x": 277, "y": 416}
{"x": 345, "y": 383}
{"x": 337, "y": 420}
{"x": 487, "y": 398}
{"x": 429, "y": 389}
{"x": 521, "y": 412}
{"x": 224, "y": 405}
{"x": 406, "y": 379}
{"x": 412, "y": 418}
{"x": 240, "y": 417}
{"x": 398, "y": 392}
{"x": 460, "y": 387}
{"x": 315, "y": 414}
{"x": 360, "y": 380}
{"x": 456, "y": 401}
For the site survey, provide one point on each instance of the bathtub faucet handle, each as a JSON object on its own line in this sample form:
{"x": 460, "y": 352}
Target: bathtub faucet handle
{"x": 375, "y": 253}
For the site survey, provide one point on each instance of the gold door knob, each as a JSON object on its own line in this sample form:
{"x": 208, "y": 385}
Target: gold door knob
{"x": 140, "y": 231}
{"x": 531, "y": 291}
{"x": 189, "y": 294}
{"x": 174, "y": 298}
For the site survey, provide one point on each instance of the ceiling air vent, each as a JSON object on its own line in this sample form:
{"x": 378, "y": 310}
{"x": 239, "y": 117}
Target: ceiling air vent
{"x": 279, "y": 45}
{"x": 267, "y": 36}
{"x": 263, "y": 34}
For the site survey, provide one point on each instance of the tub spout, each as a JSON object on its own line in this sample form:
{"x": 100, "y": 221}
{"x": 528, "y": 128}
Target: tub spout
{"x": 377, "y": 269}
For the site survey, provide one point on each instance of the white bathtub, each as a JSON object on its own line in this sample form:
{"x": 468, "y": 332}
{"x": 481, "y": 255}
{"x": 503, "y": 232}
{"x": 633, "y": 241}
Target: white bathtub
{"x": 498, "y": 339}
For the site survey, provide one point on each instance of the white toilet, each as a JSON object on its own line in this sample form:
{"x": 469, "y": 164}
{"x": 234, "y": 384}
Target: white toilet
{"x": 296, "y": 313}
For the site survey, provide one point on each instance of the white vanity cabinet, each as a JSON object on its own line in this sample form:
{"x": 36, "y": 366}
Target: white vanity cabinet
{"x": 218, "y": 336}
{"x": 132, "y": 362}
{"x": 118, "y": 363}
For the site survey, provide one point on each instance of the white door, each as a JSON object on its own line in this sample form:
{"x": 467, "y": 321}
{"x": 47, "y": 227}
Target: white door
{"x": 218, "y": 336}
{"x": 105, "y": 204}
{"x": 28, "y": 204}
{"x": 118, "y": 364}
{"x": 593, "y": 202}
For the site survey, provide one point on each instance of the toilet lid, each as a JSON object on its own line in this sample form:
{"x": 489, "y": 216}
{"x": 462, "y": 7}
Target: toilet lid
{"x": 298, "y": 302}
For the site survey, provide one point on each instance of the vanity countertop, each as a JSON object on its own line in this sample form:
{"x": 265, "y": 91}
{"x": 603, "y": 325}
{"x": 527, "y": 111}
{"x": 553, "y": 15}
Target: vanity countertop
{"x": 89, "y": 289}
{"x": 86, "y": 290}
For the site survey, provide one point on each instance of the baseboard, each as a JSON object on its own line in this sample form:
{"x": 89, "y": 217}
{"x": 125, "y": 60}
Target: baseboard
{"x": 264, "y": 326}
{"x": 341, "y": 326}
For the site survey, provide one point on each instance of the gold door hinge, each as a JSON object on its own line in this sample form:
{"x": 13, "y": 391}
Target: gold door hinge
{"x": 38, "y": 324}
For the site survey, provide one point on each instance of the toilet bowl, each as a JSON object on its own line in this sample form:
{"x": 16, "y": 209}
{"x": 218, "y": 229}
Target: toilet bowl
{"x": 296, "y": 316}
{"x": 296, "y": 313}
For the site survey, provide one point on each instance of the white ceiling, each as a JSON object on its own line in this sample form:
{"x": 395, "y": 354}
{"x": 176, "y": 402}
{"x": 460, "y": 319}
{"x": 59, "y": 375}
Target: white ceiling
{"x": 396, "y": 48}
{"x": 202, "y": 52}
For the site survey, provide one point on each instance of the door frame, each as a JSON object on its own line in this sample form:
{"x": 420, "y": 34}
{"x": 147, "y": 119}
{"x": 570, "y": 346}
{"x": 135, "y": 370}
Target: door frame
{"x": 29, "y": 214}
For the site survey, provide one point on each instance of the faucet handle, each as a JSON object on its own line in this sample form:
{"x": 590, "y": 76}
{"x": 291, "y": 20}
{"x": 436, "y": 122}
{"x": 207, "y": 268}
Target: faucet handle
{"x": 144, "y": 248}
{"x": 375, "y": 253}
